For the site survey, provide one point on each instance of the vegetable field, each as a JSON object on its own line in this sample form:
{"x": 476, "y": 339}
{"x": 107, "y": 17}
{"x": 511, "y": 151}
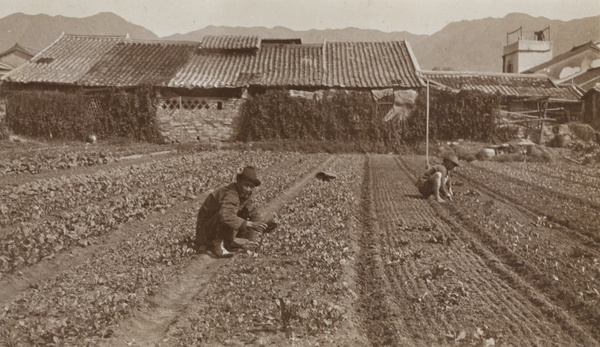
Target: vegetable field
{"x": 104, "y": 256}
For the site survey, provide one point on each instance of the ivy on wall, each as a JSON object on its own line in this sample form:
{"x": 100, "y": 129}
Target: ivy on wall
{"x": 73, "y": 115}
{"x": 465, "y": 115}
{"x": 350, "y": 116}
{"x": 343, "y": 116}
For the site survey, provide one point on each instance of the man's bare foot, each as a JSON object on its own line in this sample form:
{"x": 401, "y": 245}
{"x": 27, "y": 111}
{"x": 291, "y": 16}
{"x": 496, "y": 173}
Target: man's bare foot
{"x": 439, "y": 200}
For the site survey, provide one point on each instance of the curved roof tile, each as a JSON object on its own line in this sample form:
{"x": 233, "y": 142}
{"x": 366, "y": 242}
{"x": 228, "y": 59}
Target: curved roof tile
{"x": 139, "y": 63}
{"x": 230, "y": 42}
{"x": 519, "y": 85}
{"x": 66, "y": 61}
{"x": 221, "y": 62}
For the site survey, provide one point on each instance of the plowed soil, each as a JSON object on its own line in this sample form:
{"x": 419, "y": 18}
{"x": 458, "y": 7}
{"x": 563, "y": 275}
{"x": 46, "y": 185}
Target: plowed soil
{"x": 438, "y": 280}
{"x": 360, "y": 260}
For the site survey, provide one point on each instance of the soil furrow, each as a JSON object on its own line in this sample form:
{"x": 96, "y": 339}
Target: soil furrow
{"x": 570, "y": 212}
{"x": 581, "y": 175}
{"x": 377, "y": 318}
{"x": 489, "y": 286}
{"x": 525, "y": 207}
{"x": 150, "y": 326}
{"x": 29, "y": 276}
{"x": 21, "y": 178}
{"x": 388, "y": 210}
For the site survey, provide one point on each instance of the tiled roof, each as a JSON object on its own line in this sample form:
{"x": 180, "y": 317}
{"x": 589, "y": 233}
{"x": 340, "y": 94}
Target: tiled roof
{"x": 4, "y": 66}
{"x": 66, "y": 61}
{"x": 212, "y": 71}
{"x": 230, "y": 42}
{"x": 139, "y": 63}
{"x": 288, "y": 65}
{"x": 370, "y": 65}
{"x": 585, "y": 80}
{"x": 519, "y": 85}
{"x": 19, "y": 48}
{"x": 595, "y": 88}
{"x": 272, "y": 65}
{"x": 221, "y": 62}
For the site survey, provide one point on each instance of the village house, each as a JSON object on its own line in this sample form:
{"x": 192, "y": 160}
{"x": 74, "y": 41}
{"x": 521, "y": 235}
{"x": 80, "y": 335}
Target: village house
{"x": 577, "y": 69}
{"x": 571, "y": 68}
{"x": 524, "y": 97}
{"x": 200, "y": 86}
{"x": 14, "y": 57}
{"x": 591, "y": 113}
{"x": 525, "y": 93}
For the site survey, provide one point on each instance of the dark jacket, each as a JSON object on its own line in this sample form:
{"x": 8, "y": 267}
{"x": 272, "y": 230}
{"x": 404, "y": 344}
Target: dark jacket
{"x": 224, "y": 208}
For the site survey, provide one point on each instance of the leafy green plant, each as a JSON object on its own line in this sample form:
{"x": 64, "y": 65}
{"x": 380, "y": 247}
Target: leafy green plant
{"x": 349, "y": 117}
{"x": 462, "y": 115}
{"x": 336, "y": 116}
{"x": 73, "y": 115}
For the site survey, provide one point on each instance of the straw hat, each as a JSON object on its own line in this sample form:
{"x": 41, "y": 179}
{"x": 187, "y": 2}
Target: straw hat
{"x": 249, "y": 173}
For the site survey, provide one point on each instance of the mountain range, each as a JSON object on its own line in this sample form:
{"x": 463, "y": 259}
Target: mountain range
{"x": 474, "y": 45}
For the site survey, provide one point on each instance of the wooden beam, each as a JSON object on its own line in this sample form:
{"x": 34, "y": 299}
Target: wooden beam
{"x": 533, "y": 111}
{"x": 529, "y": 120}
{"x": 522, "y": 114}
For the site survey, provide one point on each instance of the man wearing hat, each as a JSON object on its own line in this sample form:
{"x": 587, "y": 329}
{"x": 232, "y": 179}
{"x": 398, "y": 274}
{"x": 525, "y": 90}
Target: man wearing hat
{"x": 437, "y": 178}
{"x": 220, "y": 217}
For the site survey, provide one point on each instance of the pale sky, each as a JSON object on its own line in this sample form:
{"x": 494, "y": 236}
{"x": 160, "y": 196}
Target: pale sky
{"x": 167, "y": 17}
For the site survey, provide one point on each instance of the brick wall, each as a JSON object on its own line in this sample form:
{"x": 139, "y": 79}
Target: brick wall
{"x": 184, "y": 119}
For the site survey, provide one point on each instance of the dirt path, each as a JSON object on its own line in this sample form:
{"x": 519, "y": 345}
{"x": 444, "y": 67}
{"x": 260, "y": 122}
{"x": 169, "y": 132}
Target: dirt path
{"x": 426, "y": 281}
{"x": 148, "y": 328}
{"x": 16, "y": 179}
{"x": 14, "y": 284}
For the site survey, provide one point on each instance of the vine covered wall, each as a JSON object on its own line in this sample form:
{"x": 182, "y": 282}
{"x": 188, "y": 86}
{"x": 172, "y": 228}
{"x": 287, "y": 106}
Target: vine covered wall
{"x": 73, "y": 115}
{"x": 350, "y": 116}
{"x": 465, "y": 115}
{"x": 341, "y": 116}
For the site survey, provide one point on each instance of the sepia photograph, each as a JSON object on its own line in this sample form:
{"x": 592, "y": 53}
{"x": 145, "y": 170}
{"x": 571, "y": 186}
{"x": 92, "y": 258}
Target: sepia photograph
{"x": 299, "y": 173}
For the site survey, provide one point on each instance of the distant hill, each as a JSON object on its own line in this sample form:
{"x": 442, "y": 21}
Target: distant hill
{"x": 478, "y": 45}
{"x": 39, "y": 31}
{"x": 474, "y": 45}
{"x": 308, "y": 36}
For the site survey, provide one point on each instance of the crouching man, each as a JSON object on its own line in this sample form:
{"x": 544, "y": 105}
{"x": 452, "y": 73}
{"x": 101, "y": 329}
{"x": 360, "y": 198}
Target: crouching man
{"x": 437, "y": 179}
{"x": 220, "y": 217}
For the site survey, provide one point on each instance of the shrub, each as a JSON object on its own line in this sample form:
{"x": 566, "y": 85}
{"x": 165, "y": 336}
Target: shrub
{"x": 452, "y": 116}
{"x": 72, "y": 115}
{"x": 583, "y": 132}
{"x": 466, "y": 154}
{"x": 349, "y": 117}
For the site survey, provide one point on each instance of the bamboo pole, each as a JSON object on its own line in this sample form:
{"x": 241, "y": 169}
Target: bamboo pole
{"x": 427, "y": 129}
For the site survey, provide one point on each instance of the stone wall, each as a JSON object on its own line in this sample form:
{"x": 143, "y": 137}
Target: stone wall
{"x": 206, "y": 119}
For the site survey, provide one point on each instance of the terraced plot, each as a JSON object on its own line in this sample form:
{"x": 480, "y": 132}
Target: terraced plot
{"x": 437, "y": 283}
{"x": 361, "y": 259}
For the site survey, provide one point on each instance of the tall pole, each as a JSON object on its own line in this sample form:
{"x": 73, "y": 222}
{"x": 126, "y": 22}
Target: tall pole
{"x": 427, "y": 129}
